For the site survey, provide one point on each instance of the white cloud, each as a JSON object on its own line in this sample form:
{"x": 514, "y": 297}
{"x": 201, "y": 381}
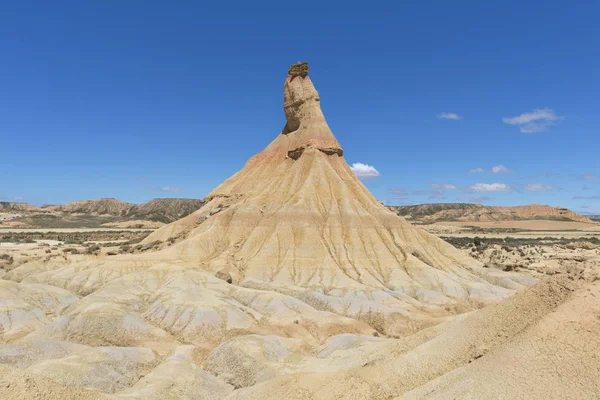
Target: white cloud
{"x": 443, "y": 186}
{"x": 536, "y": 121}
{"x": 474, "y": 199}
{"x": 399, "y": 192}
{"x": 171, "y": 189}
{"x": 590, "y": 176}
{"x": 539, "y": 187}
{"x": 364, "y": 170}
{"x": 489, "y": 187}
{"x": 167, "y": 189}
{"x": 500, "y": 169}
{"x": 446, "y": 115}
{"x": 435, "y": 193}
{"x": 586, "y": 198}
{"x": 11, "y": 198}
{"x": 496, "y": 169}
{"x": 437, "y": 197}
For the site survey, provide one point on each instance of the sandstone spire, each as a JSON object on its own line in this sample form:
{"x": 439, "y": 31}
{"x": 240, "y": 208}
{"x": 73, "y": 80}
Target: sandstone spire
{"x": 306, "y": 125}
{"x": 297, "y": 215}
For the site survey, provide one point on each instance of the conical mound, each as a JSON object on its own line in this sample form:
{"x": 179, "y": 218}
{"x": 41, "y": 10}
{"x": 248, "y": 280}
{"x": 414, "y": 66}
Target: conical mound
{"x": 297, "y": 215}
{"x": 291, "y": 268}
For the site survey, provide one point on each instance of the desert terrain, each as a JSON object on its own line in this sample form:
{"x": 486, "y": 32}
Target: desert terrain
{"x": 112, "y": 213}
{"x": 290, "y": 280}
{"x": 99, "y": 213}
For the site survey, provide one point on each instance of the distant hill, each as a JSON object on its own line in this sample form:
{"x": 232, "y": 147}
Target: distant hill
{"x": 8, "y": 207}
{"x": 109, "y": 212}
{"x": 477, "y": 212}
{"x": 164, "y": 210}
{"x": 594, "y": 217}
{"x": 106, "y": 212}
{"x": 108, "y": 206}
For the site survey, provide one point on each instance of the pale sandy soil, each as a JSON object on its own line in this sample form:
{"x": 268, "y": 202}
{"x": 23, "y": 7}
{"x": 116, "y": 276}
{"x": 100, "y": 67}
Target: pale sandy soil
{"x": 71, "y": 230}
{"x": 12, "y": 224}
{"x": 277, "y": 360}
{"x": 9, "y": 245}
{"x": 134, "y": 224}
{"x": 438, "y": 229}
{"x": 537, "y": 225}
{"x": 524, "y": 234}
{"x": 17, "y": 246}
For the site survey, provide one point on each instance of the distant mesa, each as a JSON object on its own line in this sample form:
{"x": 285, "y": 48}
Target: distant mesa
{"x": 439, "y": 212}
{"x": 106, "y": 212}
{"x": 106, "y": 206}
{"x": 157, "y": 212}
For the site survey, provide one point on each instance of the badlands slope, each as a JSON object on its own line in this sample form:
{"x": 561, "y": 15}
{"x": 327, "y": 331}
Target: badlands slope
{"x": 292, "y": 281}
{"x": 106, "y": 212}
{"x": 464, "y": 212}
{"x": 157, "y": 212}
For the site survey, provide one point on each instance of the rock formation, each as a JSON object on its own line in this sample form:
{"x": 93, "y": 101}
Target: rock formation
{"x": 297, "y": 215}
{"x": 291, "y": 268}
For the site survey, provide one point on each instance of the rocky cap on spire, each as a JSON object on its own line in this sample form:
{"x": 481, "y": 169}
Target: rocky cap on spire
{"x": 298, "y": 69}
{"x": 306, "y": 125}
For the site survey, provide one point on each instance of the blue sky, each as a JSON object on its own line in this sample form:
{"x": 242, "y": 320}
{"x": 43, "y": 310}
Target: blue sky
{"x": 144, "y": 99}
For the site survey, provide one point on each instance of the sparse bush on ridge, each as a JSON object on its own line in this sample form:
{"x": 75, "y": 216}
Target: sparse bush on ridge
{"x": 479, "y": 244}
{"x": 7, "y": 257}
{"x": 94, "y": 249}
{"x": 374, "y": 319}
{"x": 151, "y": 245}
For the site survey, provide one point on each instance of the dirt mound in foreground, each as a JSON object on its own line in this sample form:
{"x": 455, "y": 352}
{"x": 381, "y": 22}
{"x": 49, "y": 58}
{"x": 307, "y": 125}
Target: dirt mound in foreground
{"x": 488, "y": 354}
{"x": 16, "y": 384}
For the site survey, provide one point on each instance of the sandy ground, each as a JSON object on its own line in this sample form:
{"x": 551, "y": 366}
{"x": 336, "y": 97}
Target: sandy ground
{"x": 550, "y": 229}
{"x": 55, "y": 340}
{"x": 9, "y": 245}
{"x": 140, "y": 224}
{"x": 70, "y": 230}
{"x": 525, "y": 234}
{"x": 536, "y": 225}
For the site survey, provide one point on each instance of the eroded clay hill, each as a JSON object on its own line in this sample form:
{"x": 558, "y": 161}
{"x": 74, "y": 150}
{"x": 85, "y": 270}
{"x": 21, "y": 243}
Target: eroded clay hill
{"x": 8, "y": 206}
{"x": 95, "y": 207}
{"x": 292, "y": 281}
{"x": 477, "y": 212}
{"x": 296, "y": 215}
